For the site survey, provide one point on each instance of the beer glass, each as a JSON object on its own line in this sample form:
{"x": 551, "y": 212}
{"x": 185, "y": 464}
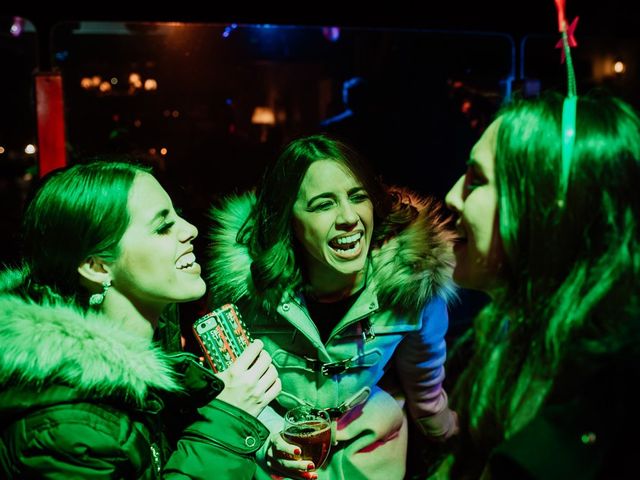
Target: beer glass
{"x": 310, "y": 429}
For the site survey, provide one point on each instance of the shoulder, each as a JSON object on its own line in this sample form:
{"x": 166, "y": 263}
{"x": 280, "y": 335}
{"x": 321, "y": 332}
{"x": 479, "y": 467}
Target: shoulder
{"x": 49, "y": 339}
{"x": 582, "y": 424}
{"x": 415, "y": 265}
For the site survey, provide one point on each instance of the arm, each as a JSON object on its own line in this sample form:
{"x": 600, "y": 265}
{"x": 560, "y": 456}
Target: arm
{"x": 225, "y": 437}
{"x": 420, "y": 360}
{"x": 220, "y": 444}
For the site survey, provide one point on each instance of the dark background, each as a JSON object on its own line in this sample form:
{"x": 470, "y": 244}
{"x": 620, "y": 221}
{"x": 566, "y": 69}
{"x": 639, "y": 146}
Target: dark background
{"x": 435, "y": 72}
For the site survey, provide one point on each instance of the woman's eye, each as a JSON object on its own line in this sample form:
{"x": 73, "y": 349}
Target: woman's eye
{"x": 359, "y": 198}
{"x": 323, "y": 206}
{"x": 471, "y": 185}
{"x": 473, "y": 180}
{"x": 165, "y": 228}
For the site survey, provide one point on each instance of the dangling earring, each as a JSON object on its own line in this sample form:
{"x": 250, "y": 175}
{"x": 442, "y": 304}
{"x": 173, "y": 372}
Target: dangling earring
{"x": 96, "y": 299}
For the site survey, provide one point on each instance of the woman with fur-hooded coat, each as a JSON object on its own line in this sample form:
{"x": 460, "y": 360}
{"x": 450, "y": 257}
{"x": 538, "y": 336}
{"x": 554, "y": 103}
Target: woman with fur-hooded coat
{"x": 333, "y": 354}
{"x": 92, "y": 382}
{"x": 81, "y": 398}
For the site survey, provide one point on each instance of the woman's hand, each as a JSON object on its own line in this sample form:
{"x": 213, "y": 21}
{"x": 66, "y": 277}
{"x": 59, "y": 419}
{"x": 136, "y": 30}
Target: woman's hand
{"x": 251, "y": 382}
{"x": 285, "y": 459}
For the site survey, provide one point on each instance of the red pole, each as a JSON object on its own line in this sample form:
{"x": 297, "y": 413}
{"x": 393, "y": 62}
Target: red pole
{"x": 51, "y": 131}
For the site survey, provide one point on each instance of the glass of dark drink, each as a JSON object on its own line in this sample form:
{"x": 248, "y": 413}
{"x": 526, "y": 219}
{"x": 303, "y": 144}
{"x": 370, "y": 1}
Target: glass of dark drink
{"x": 310, "y": 429}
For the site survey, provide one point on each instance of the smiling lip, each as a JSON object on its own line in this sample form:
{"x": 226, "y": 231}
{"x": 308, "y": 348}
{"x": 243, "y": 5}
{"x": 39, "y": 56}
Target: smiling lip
{"x": 343, "y": 255}
{"x": 347, "y": 235}
{"x": 186, "y": 252}
{"x": 193, "y": 269}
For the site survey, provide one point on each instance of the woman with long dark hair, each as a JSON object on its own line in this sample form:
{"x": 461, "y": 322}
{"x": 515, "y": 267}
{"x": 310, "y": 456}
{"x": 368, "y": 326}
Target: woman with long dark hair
{"x": 549, "y": 228}
{"x": 344, "y": 281}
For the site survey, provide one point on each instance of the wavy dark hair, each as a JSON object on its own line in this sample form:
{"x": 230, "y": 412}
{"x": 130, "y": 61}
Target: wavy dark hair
{"x": 268, "y": 231}
{"x": 572, "y": 266}
{"x": 78, "y": 212}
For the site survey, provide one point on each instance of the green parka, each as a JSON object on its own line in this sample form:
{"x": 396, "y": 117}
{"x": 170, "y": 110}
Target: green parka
{"x": 81, "y": 398}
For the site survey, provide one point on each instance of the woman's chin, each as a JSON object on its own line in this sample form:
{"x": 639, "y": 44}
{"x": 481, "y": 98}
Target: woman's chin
{"x": 349, "y": 268}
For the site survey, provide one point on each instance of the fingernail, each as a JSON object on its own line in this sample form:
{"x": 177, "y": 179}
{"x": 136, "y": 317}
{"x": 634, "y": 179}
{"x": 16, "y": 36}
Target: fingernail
{"x": 311, "y": 466}
{"x": 297, "y": 451}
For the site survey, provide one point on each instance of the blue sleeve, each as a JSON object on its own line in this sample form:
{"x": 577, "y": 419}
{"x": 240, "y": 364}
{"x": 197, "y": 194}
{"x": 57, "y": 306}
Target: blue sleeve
{"x": 420, "y": 359}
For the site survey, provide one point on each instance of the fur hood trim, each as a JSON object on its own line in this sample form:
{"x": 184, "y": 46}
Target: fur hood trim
{"x": 408, "y": 269}
{"x": 53, "y": 341}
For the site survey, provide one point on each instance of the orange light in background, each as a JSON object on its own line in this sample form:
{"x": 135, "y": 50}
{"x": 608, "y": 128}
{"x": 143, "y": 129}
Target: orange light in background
{"x": 263, "y": 116}
{"x": 134, "y": 80}
{"x": 163, "y": 151}
{"x": 150, "y": 84}
{"x": 86, "y": 83}
{"x": 96, "y": 80}
{"x": 105, "y": 87}
{"x": 609, "y": 66}
{"x": 1, "y": 149}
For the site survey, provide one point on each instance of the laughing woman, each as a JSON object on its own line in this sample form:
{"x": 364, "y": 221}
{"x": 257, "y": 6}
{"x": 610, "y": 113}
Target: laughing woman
{"x": 550, "y": 390}
{"x": 345, "y": 281}
{"x": 86, "y": 391}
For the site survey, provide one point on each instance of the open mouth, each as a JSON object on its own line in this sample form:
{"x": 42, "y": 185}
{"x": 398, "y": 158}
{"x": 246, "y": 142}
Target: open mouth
{"x": 347, "y": 246}
{"x": 186, "y": 262}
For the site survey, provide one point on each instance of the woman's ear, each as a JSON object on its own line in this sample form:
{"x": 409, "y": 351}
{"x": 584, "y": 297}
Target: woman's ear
{"x": 93, "y": 273}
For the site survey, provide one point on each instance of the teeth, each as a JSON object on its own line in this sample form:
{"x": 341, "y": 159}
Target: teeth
{"x": 186, "y": 261}
{"x": 351, "y": 251}
{"x": 349, "y": 239}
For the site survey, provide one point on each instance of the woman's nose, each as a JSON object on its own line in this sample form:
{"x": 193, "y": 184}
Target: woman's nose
{"x": 347, "y": 214}
{"x": 453, "y": 200}
{"x": 188, "y": 231}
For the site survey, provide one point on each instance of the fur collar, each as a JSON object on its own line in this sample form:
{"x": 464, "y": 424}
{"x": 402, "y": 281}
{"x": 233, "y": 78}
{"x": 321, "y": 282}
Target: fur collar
{"x": 408, "y": 269}
{"x": 53, "y": 341}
